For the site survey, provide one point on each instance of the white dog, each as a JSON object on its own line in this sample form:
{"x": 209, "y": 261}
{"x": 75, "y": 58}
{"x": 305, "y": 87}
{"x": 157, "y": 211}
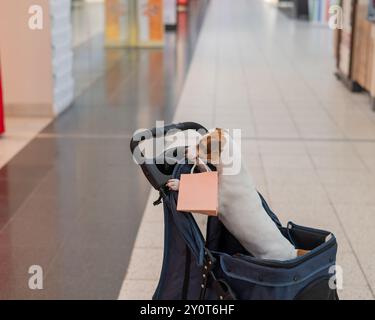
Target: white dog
{"x": 240, "y": 207}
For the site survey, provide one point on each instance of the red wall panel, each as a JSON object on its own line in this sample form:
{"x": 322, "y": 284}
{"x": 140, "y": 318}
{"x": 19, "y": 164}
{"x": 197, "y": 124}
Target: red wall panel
{"x": 182, "y": 2}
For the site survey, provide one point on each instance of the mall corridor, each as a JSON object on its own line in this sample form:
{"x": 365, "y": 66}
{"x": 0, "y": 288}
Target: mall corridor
{"x": 74, "y": 202}
{"x": 308, "y": 142}
{"x": 71, "y": 200}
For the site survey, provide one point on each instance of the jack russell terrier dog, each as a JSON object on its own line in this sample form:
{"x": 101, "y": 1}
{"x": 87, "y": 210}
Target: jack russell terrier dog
{"x": 240, "y": 207}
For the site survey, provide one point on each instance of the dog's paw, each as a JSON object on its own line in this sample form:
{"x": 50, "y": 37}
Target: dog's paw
{"x": 173, "y": 184}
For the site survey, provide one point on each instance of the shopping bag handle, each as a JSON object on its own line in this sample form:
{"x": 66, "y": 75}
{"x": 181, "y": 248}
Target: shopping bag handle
{"x": 198, "y": 159}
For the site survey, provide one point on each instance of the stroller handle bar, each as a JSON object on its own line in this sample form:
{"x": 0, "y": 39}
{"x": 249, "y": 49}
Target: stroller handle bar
{"x": 162, "y": 131}
{"x": 150, "y": 170}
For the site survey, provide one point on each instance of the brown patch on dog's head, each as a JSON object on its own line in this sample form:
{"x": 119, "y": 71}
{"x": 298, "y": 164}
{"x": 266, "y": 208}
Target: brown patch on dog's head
{"x": 211, "y": 146}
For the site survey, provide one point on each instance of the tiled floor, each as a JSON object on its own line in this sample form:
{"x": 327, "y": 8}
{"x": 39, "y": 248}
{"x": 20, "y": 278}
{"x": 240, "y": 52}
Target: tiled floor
{"x": 19, "y": 132}
{"x": 308, "y": 141}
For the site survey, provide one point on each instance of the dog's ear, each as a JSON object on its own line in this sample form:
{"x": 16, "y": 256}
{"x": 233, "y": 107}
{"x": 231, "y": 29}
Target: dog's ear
{"x": 211, "y": 146}
{"x": 220, "y": 136}
{"x": 218, "y": 140}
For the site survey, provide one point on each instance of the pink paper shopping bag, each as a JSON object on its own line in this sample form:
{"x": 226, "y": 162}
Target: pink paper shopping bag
{"x": 198, "y": 193}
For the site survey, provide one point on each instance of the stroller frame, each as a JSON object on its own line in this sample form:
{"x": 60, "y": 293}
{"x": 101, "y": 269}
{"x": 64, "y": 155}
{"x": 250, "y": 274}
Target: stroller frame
{"x": 218, "y": 267}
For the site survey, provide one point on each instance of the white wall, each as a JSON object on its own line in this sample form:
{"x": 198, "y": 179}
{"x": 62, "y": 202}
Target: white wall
{"x": 25, "y": 58}
{"x": 36, "y": 64}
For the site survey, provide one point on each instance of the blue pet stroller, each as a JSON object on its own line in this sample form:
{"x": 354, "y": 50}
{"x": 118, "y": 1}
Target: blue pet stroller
{"x": 218, "y": 267}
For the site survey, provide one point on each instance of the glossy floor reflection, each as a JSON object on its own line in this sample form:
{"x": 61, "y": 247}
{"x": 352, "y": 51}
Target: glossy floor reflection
{"x": 72, "y": 199}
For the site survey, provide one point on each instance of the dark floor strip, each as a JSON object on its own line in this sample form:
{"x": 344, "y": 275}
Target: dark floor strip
{"x": 73, "y": 204}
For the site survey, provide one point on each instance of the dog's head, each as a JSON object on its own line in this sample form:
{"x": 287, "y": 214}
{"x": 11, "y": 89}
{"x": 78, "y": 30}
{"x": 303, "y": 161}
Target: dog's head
{"x": 209, "y": 148}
